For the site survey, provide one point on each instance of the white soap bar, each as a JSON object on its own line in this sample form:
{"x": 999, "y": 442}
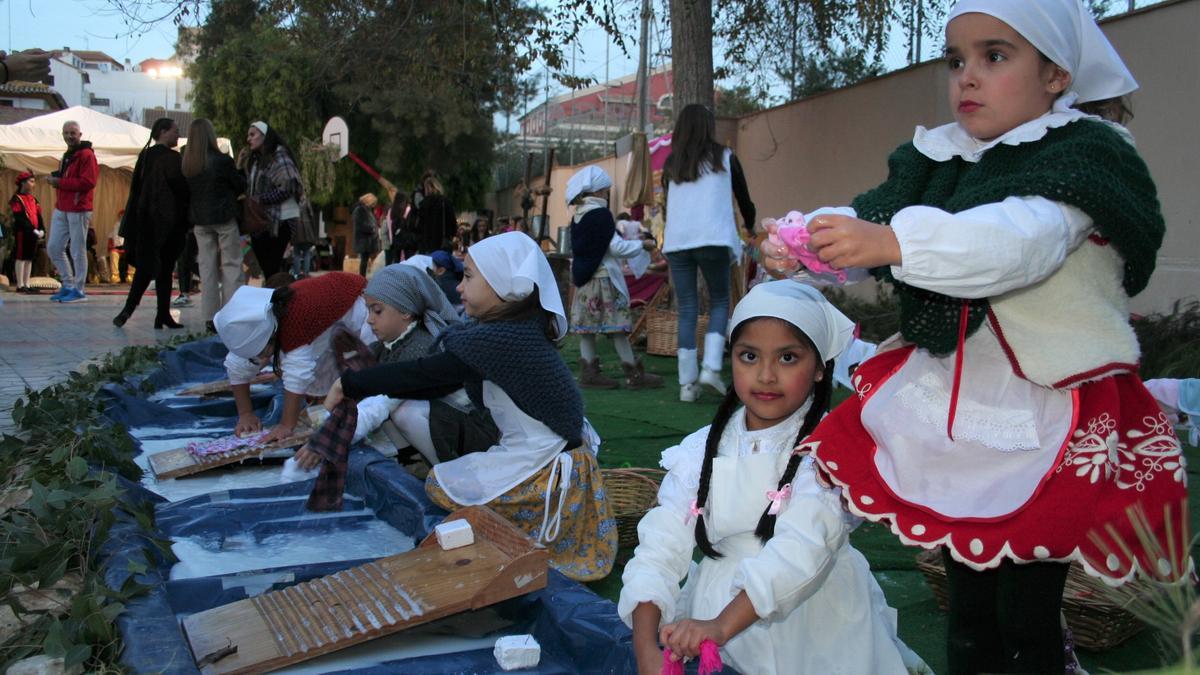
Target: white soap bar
{"x": 517, "y": 651}
{"x": 292, "y": 472}
{"x": 454, "y": 534}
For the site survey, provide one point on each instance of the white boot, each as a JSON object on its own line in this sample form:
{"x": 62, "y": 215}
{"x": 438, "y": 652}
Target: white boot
{"x": 689, "y": 369}
{"x": 714, "y": 357}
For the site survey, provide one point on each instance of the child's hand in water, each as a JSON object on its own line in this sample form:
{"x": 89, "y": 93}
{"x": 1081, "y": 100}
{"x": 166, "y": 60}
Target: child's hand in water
{"x": 844, "y": 242}
{"x": 307, "y": 459}
{"x": 335, "y": 395}
{"x": 684, "y": 638}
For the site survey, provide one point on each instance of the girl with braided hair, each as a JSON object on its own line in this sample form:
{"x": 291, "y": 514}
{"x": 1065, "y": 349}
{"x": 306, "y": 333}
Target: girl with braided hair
{"x": 780, "y": 589}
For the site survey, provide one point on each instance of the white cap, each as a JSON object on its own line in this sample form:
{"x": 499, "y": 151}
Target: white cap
{"x": 513, "y": 265}
{"x": 245, "y": 324}
{"x": 802, "y": 306}
{"x": 588, "y": 179}
{"x": 1064, "y": 32}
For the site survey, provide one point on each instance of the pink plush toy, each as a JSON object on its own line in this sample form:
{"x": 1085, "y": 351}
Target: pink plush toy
{"x": 710, "y": 660}
{"x": 785, "y": 249}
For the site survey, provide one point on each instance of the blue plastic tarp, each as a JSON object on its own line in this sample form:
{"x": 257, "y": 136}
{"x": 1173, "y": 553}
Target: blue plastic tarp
{"x": 579, "y": 632}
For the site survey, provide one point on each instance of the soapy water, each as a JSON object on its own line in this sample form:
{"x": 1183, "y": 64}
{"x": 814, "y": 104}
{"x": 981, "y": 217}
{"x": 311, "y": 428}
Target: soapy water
{"x": 402, "y": 645}
{"x": 201, "y": 556}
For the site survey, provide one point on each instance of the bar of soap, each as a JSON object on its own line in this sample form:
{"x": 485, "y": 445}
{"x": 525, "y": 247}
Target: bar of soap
{"x": 517, "y": 651}
{"x": 454, "y": 534}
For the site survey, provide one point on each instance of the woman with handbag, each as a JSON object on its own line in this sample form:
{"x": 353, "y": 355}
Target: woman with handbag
{"x": 215, "y": 184}
{"x": 366, "y": 232}
{"x": 155, "y": 222}
{"x": 271, "y": 210}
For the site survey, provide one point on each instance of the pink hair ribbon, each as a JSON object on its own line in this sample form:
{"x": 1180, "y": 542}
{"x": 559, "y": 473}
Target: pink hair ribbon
{"x": 778, "y": 497}
{"x": 693, "y": 511}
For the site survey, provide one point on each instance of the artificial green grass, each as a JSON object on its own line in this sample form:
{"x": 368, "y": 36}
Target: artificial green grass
{"x": 636, "y": 426}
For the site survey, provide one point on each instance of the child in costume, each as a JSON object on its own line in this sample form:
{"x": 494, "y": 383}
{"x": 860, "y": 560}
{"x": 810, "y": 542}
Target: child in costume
{"x": 28, "y": 228}
{"x": 1011, "y": 428}
{"x": 542, "y": 474}
{"x": 292, "y": 327}
{"x": 780, "y": 589}
{"x": 407, "y": 312}
{"x": 601, "y": 302}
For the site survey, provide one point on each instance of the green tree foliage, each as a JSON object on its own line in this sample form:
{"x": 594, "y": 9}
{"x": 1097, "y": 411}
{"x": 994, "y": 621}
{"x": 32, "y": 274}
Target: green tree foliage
{"x": 738, "y": 100}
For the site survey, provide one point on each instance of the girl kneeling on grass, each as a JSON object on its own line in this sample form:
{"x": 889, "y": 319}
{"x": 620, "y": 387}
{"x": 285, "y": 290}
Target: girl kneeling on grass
{"x": 542, "y": 474}
{"x": 780, "y": 589}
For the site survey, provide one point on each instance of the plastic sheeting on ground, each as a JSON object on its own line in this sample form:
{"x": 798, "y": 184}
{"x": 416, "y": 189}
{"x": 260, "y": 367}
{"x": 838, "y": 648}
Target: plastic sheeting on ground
{"x": 579, "y": 631}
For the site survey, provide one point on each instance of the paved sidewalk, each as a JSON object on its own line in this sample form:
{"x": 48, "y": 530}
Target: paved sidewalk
{"x": 42, "y": 341}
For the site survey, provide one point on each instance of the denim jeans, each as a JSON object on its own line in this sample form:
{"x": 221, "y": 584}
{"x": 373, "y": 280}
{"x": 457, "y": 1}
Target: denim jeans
{"x": 302, "y": 255}
{"x": 713, "y": 262}
{"x": 69, "y": 226}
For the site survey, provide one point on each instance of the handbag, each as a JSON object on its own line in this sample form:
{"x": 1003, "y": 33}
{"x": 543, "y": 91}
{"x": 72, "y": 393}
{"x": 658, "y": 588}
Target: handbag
{"x": 254, "y": 219}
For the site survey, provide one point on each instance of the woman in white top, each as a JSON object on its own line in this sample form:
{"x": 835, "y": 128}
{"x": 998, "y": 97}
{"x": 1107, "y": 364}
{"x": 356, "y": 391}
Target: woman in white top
{"x": 780, "y": 589}
{"x": 698, "y": 179}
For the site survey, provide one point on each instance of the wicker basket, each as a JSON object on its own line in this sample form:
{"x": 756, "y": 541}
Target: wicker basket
{"x": 662, "y": 332}
{"x": 631, "y": 493}
{"x": 1097, "y": 623}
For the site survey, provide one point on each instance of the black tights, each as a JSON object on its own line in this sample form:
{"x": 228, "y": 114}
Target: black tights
{"x": 1005, "y": 620}
{"x": 158, "y": 265}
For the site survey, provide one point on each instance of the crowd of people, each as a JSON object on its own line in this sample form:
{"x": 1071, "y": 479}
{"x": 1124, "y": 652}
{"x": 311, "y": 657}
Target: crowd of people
{"x": 991, "y": 426}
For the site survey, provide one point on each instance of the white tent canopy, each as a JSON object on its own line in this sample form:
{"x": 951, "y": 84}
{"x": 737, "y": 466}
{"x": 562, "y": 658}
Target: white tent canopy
{"x": 37, "y": 143}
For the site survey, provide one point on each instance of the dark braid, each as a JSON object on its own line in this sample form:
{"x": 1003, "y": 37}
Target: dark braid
{"x": 725, "y": 411}
{"x": 822, "y": 393}
{"x": 279, "y": 304}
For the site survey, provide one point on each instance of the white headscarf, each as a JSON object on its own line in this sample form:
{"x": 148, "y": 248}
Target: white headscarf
{"x": 245, "y": 324}
{"x": 588, "y": 179}
{"x": 261, "y": 126}
{"x": 1064, "y": 31}
{"x": 802, "y": 306}
{"x": 513, "y": 264}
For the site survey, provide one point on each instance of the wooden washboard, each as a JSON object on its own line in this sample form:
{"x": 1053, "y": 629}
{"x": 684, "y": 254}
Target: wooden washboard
{"x": 180, "y": 462}
{"x": 221, "y": 387}
{"x": 307, "y": 620}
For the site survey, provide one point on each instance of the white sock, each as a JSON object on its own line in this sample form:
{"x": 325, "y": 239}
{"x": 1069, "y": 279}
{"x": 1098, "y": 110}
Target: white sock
{"x": 587, "y": 347}
{"x": 412, "y": 418}
{"x": 624, "y": 349}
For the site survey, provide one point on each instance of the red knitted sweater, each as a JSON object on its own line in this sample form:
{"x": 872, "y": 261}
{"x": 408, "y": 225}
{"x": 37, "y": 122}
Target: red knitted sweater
{"x": 317, "y": 304}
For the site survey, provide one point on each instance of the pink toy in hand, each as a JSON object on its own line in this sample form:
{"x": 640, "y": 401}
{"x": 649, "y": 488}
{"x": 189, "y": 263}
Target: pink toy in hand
{"x": 786, "y": 247}
{"x": 710, "y": 660}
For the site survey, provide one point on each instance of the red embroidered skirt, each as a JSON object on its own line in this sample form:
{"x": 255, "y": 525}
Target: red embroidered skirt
{"x": 1121, "y": 464}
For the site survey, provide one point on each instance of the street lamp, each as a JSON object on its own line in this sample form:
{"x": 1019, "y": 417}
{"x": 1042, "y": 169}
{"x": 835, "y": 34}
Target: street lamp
{"x": 167, "y": 73}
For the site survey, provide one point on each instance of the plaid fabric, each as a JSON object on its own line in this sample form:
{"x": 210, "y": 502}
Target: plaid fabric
{"x": 332, "y": 440}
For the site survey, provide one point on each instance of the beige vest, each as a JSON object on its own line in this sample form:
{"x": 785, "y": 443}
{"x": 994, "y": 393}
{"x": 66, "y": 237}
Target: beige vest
{"x": 1072, "y": 327}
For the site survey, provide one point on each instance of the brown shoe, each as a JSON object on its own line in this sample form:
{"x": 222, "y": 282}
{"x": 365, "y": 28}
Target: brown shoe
{"x": 590, "y": 376}
{"x": 636, "y": 377}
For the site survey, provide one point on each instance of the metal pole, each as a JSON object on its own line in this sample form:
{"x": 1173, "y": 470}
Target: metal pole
{"x": 643, "y": 75}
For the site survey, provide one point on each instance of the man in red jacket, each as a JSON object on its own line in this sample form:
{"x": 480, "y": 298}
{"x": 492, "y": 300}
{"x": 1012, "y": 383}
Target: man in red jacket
{"x": 74, "y": 181}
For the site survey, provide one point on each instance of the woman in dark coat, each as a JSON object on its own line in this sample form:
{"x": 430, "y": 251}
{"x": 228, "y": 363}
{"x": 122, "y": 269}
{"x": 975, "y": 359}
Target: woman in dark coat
{"x": 156, "y": 222}
{"x": 28, "y": 228}
{"x": 436, "y": 222}
{"x": 366, "y": 231}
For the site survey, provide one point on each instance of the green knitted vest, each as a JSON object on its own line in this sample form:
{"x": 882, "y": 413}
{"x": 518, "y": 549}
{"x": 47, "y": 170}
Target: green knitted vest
{"x": 1085, "y": 164}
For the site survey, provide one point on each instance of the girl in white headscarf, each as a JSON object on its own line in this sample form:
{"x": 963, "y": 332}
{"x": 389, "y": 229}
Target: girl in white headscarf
{"x": 1012, "y": 430}
{"x": 542, "y": 474}
{"x": 780, "y": 589}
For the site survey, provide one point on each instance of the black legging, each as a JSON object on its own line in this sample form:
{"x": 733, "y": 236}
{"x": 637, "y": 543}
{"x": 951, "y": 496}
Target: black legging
{"x": 157, "y": 265}
{"x": 269, "y": 250}
{"x": 1005, "y": 620}
{"x": 187, "y": 262}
